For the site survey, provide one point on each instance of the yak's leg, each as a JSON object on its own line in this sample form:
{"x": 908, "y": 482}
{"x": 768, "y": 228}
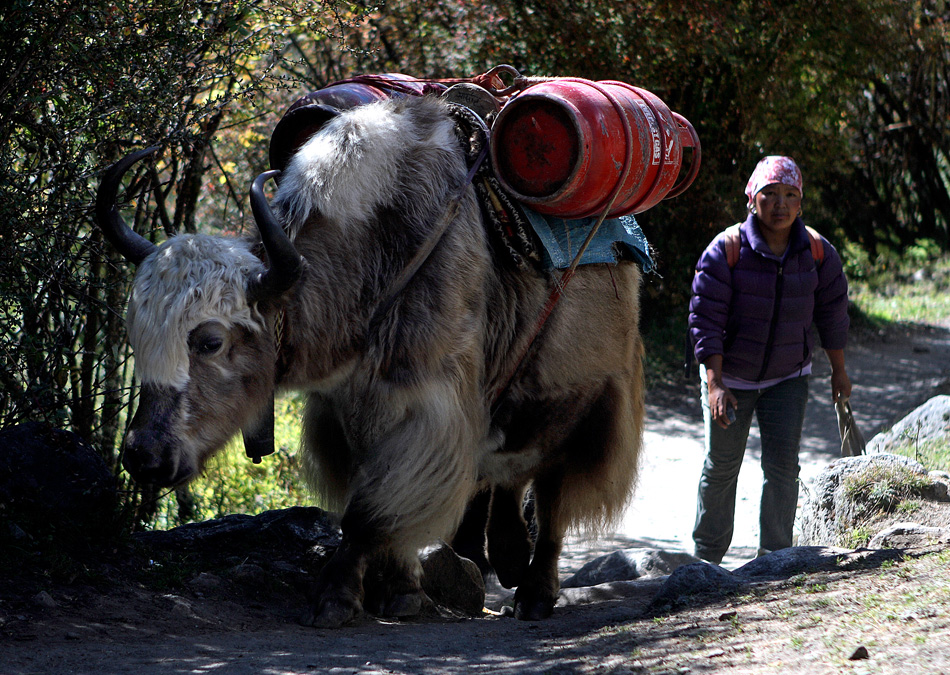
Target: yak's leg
{"x": 359, "y": 576}
{"x": 409, "y": 488}
{"x": 509, "y": 544}
{"x": 469, "y": 538}
{"x": 537, "y": 594}
{"x": 393, "y": 587}
{"x": 365, "y": 573}
{"x": 590, "y": 489}
{"x": 338, "y": 591}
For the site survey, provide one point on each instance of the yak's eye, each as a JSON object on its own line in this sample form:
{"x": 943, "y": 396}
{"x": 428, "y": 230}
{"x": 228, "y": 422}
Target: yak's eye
{"x": 207, "y": 339}
{"x": 210, "y": 345}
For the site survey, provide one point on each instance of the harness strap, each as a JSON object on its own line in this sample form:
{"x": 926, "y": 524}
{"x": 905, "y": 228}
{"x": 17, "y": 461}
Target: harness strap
{"x": 425, "y": 250}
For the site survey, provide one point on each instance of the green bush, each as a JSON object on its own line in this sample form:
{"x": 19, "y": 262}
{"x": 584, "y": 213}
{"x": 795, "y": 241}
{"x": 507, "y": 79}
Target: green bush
{"x": 881, "y": 489}
{"x": 933, "y": 455}
{"x": 899, "y": 286}
{"x": 231, "y": 483}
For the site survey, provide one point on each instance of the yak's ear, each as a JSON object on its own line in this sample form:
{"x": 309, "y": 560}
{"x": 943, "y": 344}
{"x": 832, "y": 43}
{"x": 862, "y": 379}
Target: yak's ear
{"x": 259, "y": 437}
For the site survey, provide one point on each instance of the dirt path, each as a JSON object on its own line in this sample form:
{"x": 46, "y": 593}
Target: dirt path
{"x": 97, "y": 626}
{"x": 891, "y": 373}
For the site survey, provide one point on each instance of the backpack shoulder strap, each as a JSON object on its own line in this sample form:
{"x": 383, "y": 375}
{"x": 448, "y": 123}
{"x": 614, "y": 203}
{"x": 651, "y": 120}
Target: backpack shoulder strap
{"x": 817, "y": 248}
{"x": 732, "y": 243}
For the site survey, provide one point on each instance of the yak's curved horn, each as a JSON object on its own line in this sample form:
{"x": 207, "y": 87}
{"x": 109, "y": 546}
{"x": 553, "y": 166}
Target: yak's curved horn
{"x": 286, "y": 265}
{"x": 133, "y": 246}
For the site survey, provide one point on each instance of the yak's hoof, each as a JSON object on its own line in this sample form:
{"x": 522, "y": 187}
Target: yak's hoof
{"x": 512, "y": 572}
{"x": 404, "y": 605}
{"x": 533, "y": 609}
{"x": 332, "y": 612}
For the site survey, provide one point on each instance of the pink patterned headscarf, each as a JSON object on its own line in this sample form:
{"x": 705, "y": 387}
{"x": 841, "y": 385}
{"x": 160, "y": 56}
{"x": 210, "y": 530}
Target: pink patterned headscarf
{"x": 773, "y": 169}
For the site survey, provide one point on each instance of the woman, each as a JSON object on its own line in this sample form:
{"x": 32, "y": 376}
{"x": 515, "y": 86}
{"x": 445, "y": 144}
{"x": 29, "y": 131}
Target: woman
{"x": 750, "y": 322}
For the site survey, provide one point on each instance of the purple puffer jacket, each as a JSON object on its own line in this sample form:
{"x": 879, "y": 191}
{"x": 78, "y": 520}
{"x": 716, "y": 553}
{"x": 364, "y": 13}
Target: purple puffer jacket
{"x": 759, "y": 314}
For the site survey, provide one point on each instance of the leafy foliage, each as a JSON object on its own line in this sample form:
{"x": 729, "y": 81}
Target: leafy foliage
{"x": 803, "y": 78}
{"x": 881, "y": 489}
{"x": 907, "y": 286}
{"x": 83, "y": 83}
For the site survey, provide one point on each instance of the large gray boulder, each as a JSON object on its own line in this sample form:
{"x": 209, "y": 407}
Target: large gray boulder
{"x": 695, "y": 580}
{"x": 931, "y": 421}
{"x": 295, "y": 529}
{"x": 787, "y": 562}
{"x": 910, "y": 535}
{"x": 703, "y": 580}
{"x": 628, "y": 564}
{"x": 451, "y": 581}
{"x": 852, "y": 490}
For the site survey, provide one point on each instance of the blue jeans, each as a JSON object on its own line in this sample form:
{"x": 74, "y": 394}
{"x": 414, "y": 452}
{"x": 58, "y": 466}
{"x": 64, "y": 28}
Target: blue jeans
{"x": 780, "y": 411}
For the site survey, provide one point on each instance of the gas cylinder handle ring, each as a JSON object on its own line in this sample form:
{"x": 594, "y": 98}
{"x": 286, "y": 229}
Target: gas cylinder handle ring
{"x": 518, "y": 81}
{"x": 688, "y": 179}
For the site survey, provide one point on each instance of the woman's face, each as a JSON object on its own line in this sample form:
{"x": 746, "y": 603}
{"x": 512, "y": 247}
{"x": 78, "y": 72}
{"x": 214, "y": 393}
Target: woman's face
{"x": 777, "y": 205}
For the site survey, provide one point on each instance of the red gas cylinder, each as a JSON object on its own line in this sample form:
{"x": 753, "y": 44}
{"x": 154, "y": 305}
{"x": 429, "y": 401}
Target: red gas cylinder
{"x": 569, "y": 146}
{"x": 305, "y": 117}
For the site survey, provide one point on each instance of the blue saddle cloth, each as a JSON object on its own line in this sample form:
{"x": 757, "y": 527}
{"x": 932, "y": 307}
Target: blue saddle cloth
{"x": 617, "y": 239}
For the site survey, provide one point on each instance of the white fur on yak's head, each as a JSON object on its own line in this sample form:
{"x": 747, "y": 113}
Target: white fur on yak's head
{"x": 204, "y": 355}
{"x": 189, "y": 282}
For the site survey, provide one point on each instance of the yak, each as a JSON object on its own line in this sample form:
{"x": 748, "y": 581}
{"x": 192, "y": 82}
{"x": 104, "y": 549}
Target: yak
{"x": 400, "y": 355}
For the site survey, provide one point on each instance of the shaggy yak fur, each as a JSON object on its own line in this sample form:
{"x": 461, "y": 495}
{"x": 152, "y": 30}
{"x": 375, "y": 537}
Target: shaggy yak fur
{"x": 399, "y": 435}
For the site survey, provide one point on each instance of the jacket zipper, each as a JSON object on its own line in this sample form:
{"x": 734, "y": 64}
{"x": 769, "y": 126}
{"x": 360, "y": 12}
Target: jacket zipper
{"x": 779, "y": 284}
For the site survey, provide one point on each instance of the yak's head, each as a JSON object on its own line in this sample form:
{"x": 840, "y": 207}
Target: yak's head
{"x": 198, "y": 326}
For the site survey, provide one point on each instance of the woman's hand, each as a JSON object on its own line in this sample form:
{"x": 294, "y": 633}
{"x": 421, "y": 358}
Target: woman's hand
{"x": 840, "y": 385}
{"x": 840, "y": 382}
{"x": 720, "y": 398}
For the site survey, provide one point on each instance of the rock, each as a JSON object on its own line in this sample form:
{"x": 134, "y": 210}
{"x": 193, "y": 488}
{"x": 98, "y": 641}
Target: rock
{"x": 788, "y": 562}
{"x": 941, "y": 486}
{"x": 909, "y": 535}
{"x": 829, "y": 512}
{"x": 205, "y": 582}
{"x": 696, "y": 579}
{"x": 54, "y": 486}
{"x": 860, "y": 654}
{"x": 249, "y": 574}
{"x": 270, "y": 553}
{"x": 614, "y": 590}
{"x": 288, "y": 545}
{"x": 452, "y": 581}
{"x": 931, "y": 421}
{"x": 299, "y": 527}
{"x": 181, "y": 606}
{"x": 628, "y": 564}
{"x": 45, "y": 600}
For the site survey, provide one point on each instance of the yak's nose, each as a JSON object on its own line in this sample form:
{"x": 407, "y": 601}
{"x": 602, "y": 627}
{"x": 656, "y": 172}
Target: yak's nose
{"x": 151, "y": 452}
{"x": 148, "y": 458}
